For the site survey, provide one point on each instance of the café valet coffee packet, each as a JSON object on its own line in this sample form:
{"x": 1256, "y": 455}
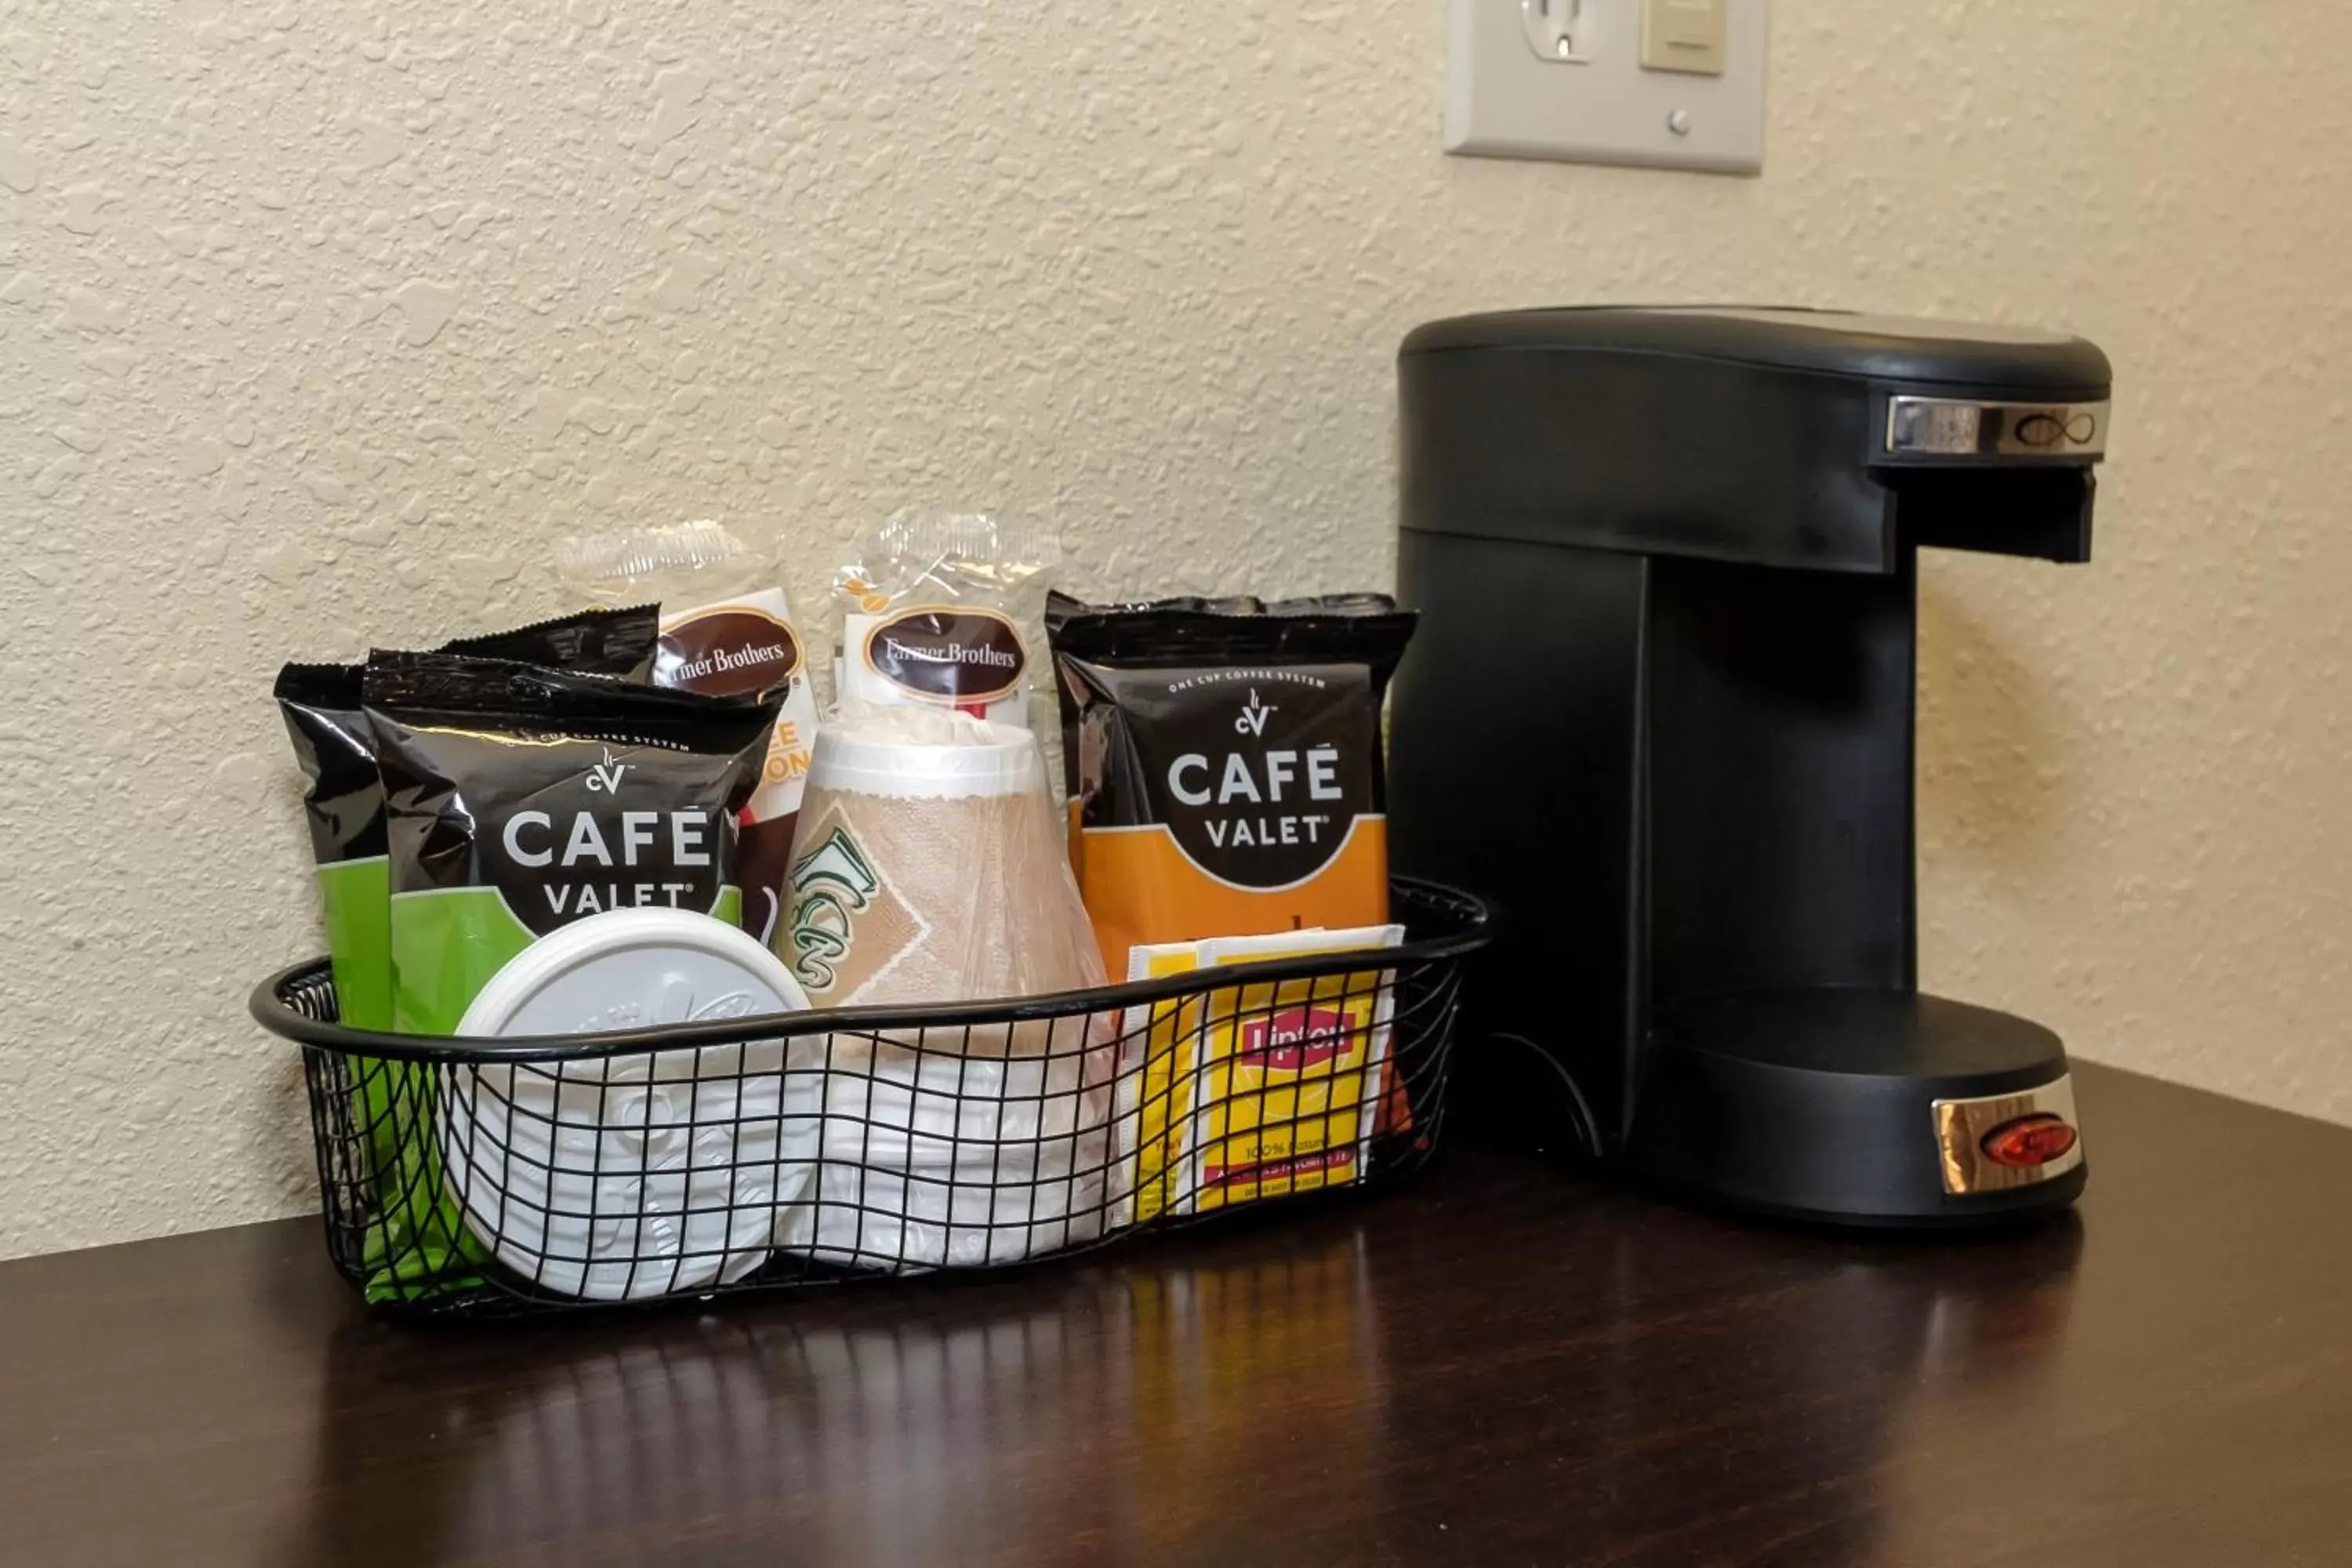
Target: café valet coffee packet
{"x": 940, "y": 609}
{"x": 522, "y": 799}
{"x": 343, "y": 794}
{"x": 1224, "y": 763}
{"x": 727, "y": 630}
{"x": 416, "y": 1235}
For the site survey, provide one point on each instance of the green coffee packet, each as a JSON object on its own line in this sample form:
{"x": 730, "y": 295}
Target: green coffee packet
{"x": 415, "y": 1234}
{"x": 344, "y": 797}
{"x": 524, "y": 799}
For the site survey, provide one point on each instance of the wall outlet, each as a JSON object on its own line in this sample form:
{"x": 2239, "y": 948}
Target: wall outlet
{"x": 1673, "y": 84}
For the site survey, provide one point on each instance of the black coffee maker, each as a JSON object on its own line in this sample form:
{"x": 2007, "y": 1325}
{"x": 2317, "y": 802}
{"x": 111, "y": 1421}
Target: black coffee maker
{"x": 1661, "y": 709}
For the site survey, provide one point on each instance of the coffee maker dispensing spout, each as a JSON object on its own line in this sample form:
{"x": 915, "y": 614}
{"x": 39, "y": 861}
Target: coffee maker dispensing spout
{"x": 1661, "y": 708}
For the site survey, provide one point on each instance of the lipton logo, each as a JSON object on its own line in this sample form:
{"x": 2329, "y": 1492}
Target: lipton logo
{"x": 1292, "y": 1039}
{"x": 956, "y": 657}
{"x": 730, "y": 652}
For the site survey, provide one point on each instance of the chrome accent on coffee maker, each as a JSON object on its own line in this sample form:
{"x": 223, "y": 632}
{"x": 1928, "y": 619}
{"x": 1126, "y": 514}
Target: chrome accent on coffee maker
{"x": 1959, "y": 427}
{"x": 1963, "y": 1127}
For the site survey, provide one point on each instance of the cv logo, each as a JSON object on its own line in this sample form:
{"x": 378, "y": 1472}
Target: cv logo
{"x": 605, "y": 777}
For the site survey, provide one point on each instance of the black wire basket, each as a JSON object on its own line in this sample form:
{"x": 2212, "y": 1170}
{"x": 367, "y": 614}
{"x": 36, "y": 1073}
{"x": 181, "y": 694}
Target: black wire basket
{"x": 474, "y": 1178}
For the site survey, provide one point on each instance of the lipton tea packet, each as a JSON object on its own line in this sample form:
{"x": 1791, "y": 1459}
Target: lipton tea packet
{"x": 1255, "y": 1090}
{"x": 727, "y": 630}
{"x": 938, "y": 609}
{"x": 522, "y": 799}
{"x": 1224, "y": 763}
{"x": 1291, "y": 1076}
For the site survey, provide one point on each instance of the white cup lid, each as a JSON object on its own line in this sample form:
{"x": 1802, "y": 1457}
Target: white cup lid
{"x": 637, "y": 1176}
{"x": 632, "y": 969}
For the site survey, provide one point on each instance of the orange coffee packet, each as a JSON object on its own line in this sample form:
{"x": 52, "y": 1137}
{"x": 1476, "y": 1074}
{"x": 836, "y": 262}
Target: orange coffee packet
{"x": 1224, "y": 763}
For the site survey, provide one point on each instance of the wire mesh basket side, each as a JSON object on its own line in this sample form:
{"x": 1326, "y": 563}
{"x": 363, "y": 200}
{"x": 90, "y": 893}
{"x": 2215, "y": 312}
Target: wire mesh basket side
{"x": 391, "y": 1228}
{"x": 489, "y": 1187}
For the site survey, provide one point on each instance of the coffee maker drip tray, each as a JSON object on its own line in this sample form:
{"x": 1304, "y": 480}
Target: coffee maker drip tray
{"x": 1858, "y": 1105}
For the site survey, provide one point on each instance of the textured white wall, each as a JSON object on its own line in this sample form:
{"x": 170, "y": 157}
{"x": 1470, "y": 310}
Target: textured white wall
{"x": 317, "y": 322}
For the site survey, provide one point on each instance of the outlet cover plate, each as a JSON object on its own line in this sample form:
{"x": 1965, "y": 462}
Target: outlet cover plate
{"x": 1503, "y": 100}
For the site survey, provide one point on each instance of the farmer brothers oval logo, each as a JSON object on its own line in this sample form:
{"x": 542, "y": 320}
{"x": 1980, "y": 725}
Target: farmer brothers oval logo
{"x": 949, "y": 656}
{"x": 731, "y": 651}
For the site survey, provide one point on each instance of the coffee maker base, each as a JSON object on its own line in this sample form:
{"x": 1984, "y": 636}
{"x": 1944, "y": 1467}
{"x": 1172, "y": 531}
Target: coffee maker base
{"x": 1852, "y": 1107}
{"x": 2053, "y": 1198}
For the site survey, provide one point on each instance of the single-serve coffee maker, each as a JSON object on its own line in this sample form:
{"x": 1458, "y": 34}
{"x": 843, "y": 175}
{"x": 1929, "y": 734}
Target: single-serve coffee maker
{"x": 1661, "y": 709}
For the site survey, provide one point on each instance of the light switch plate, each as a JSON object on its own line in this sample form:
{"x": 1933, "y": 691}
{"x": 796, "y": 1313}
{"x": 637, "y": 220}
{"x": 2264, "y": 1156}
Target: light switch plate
{"x": 1596, "y": 102}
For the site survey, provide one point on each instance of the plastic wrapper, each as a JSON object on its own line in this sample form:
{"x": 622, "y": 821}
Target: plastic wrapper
{"x": 929, "y": 868}
{"x": 524, "y": 799}
{"x": 944, "y": 610}
{"x": 938, "y": 1156}
{"x": 727, "y": 630}
{"x": 343, "y": 793}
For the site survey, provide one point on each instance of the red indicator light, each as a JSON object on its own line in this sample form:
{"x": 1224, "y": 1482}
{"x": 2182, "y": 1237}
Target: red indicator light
{"x": 2030, "y": 1142}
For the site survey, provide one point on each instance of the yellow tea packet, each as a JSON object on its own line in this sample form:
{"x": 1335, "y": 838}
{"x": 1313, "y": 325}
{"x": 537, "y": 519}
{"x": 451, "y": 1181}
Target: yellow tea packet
{"x": 1290, "y": 1073}
{"x": 1155, "y": 1080}
{"x": 1255, "y": 1090}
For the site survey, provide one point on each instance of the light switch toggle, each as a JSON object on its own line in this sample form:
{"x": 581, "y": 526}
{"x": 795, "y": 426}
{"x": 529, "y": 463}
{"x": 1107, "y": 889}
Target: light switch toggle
{"x": 1690, "y": 36}
{"x": 1560, "y": 31}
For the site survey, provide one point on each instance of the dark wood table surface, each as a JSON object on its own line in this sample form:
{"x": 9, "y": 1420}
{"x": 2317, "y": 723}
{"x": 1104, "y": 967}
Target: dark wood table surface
{"x": 1499, "y": 1364}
